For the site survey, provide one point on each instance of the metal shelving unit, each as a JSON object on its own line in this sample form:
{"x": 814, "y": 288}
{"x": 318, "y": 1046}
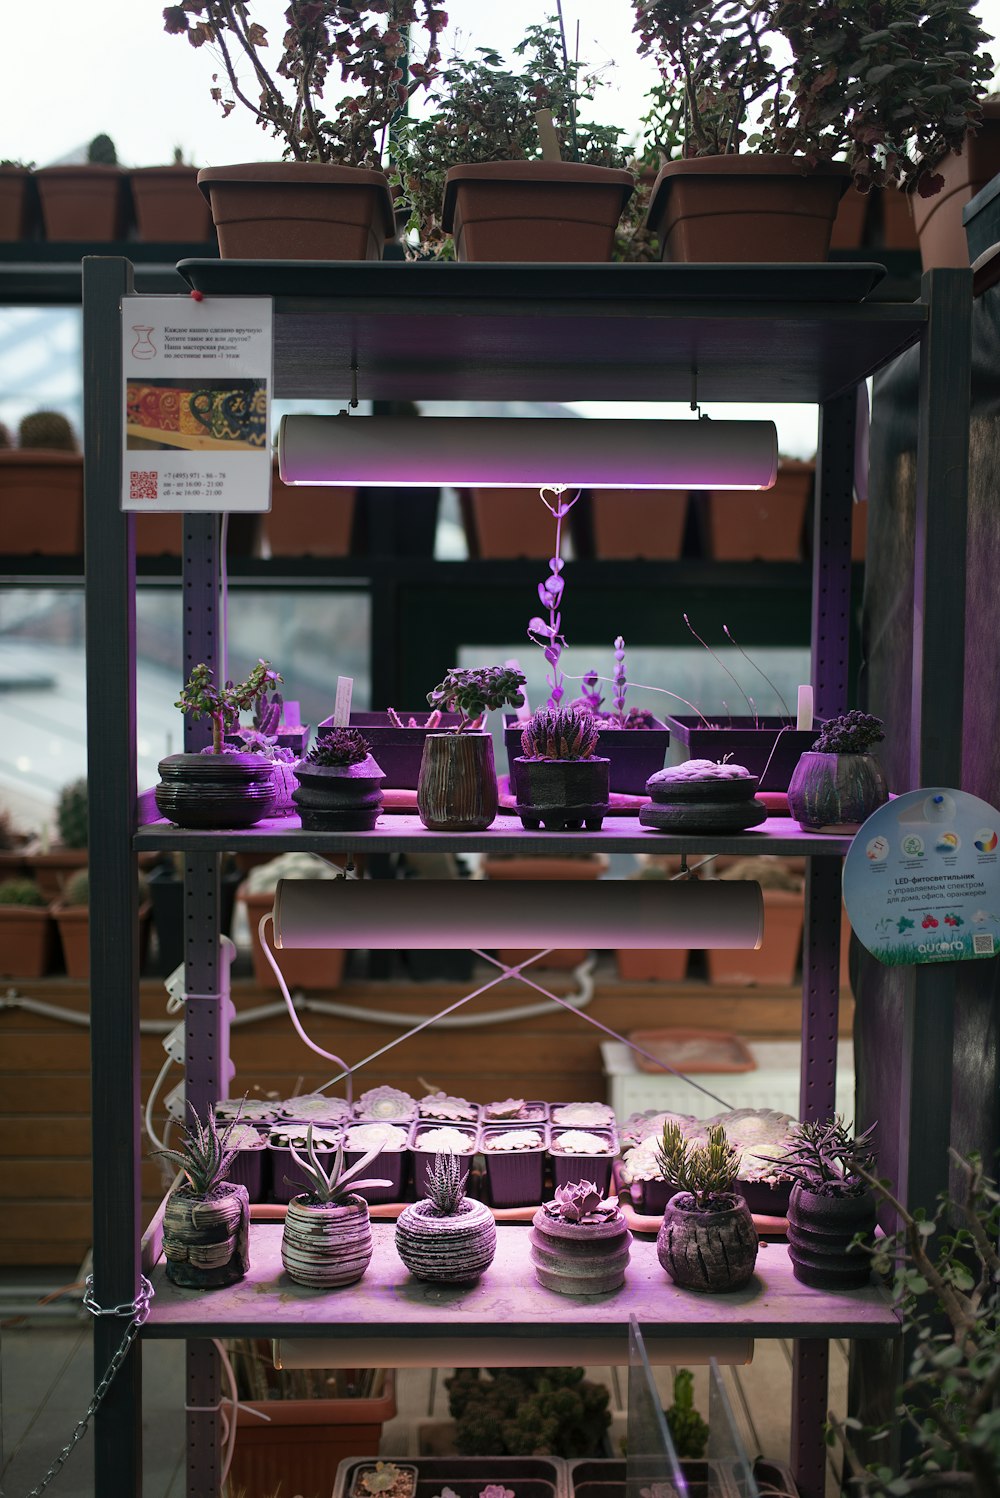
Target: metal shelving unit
{"x": 792, "y": 333}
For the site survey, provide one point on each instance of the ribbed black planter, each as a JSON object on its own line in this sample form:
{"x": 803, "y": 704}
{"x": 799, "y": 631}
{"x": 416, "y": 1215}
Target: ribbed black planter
{"x": 562, "y": 794}
{"x": 820, "y": 1232}
{"x": 338, "y": 798}
{"x": 215, "y": 790}
{"x": 710, "y": 805}
{"x": 709, "y": 1251}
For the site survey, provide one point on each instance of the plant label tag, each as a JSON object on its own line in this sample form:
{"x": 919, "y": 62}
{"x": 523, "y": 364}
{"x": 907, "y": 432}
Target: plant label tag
{"x": 342, "y": 701}
{"x": 804, "y": 717}
{"x": 196, "y": 404}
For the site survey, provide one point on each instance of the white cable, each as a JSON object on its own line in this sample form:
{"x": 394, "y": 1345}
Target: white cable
{"x": 327, "y": 1055}
{"x": 230, "y": 1414}
{"x": 153, "y": 1094}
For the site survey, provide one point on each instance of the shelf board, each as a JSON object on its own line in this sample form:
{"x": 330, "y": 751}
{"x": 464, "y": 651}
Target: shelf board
{"x": 390, "y": 1307}
{"x": 430, "y": 331}
{"x": 399, "y": 833}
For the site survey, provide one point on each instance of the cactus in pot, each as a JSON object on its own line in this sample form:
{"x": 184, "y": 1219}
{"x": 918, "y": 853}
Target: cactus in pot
{"x": 71, "y": 814}
{"x": 47, "y": 431}
{"x": 340, "y": 784}
{"x": 327, "y": 1240}
{"x": 447, "y": 1237}
{"x": 707, "y": 1240}
{"x": 839, "y": 782}
{"x": 206, "y": 1219}
{"x": 561, "y": 781}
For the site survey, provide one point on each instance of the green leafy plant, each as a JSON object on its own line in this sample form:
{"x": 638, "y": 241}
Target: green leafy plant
{"x": 332, "y": 1187}
{"x": 48, "y": 431}
{"x": 704, "y": 1172}
{"x": 850, "y": 733}
{"x": 560, "y": 733}
{"x": 201, "y": 697}
{"x": 527, "y": 1412}
{"x": 204, "y": 1156}
{"x": 947, "y": 1286}
{"x": 21, "y": 892}
{"x": 827, "y": 1159}
{"x": 472, "y": 693}
{"x": 446, "y": 1184}
{"x": 688, "y": 1431}
{"x": 339, "y": 746}
{"x": 71, "y": 814}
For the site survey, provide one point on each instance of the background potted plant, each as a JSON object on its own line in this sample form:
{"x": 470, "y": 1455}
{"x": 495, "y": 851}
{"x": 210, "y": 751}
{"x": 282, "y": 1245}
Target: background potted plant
{"x": 218, "y": 787}
{"x": 340, "y": 783}
{"x": 169, "y": 209}
{"x": 84, "y": 202}
{"x": 206, "y": 1219}
{"x": 327, "y": 1239}
{"x": 26, "y": 931}
{"x": 15, "y": 199}
{"x": 762, "y": 525}
{"x": 544, "y": 867}
{"x": 831, "y": 1210}
{"x": 561, "y": 782}
{"x": 307, "y": 969}
{"x": 579, "y": 1242}
{"x": 517, "y": 1411}
{"x": 41, "y": 488}
{"x": 328, "y": 200}
{"x": 457, "y": 786}
{"x": 52, "y": 865}
{"x": 446, "y": 1238}
{"x": 776, "y": 960}
{"x": 707, "y": 1240}
{"x": 72, "y": 916}
{"x": 839, "y": 782}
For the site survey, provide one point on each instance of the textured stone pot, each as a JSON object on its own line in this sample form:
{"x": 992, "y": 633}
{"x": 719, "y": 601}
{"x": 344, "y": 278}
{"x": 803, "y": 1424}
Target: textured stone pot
{"x": 836, "y": 790}
{"x": 709, "y": 805}
{"x": 579, "y": 1258}
{"x": 745, "y": 209}
{"x": 820, "y": 1232}
{"x": 457, "y": 786}
{"x": 338, "y": 798}
{"x": 635, "y": 754}
{"x": 564, "y": 794}
{"x": 324, "y": 1245}
{"x": 534, "y": 210}
{"x": 298, "y": 210}
{"x": 708, "y": 1251}
{"x": 452, "y": 1249}
{"x": 206, "y": 1239}
{"x": 215, "y": 790}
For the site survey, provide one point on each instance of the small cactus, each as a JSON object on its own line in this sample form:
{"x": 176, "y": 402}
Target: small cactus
{"x": 688, "y": 1430}
{"x": 559, "y": 733}
{"x": 48, "y": 430}
{"x": 446, "y": 1184}
{"x": 77, "y": 890}
{"x": 71, "y": 814}
{"x": 21, "y": 892}
{"x": 339, "y": 746}
{"x": 101, "y": 151}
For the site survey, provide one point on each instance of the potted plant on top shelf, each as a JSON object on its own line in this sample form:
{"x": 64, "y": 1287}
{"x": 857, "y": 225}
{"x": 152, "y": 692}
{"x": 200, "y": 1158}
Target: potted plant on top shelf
{"x": 328, "y": 200}
{"x": 562, "y": 783}
{"x": 41, "y": 488}
{"x": 84, "y": 202}
{"x": 504, "y": 183}
{"x": 839, "y": 783}
{"x": 889, "y": 97}
{"x": 169, "y": 209}
{"x": 457, "y": 788}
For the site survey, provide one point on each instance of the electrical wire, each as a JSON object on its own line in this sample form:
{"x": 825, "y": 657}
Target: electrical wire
{"x": 327, "y": 1055}
{"x": 153, "y": 1094}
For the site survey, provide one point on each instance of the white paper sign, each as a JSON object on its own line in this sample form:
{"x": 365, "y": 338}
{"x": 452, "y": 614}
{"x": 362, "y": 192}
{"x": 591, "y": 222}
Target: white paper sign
{"x": 196, "y": 403}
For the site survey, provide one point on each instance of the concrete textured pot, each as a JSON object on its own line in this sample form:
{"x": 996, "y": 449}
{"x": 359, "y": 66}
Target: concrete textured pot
{"x": 534, "y": 210}
{"x": 821, "y": 1230}
{"x": 457, "y": 785}
{"x": 579, "y": 1258}
{"x": 635, "y": 754}
{"x": 711, "y": 1251}
{"x": 298, "y": 210}
{"x": 836, "y": 790}
{"x": 338, "y": 798}
{"x": 451, "y": 1249}
{"x": 325, "y": 1246}
{"x": 206, "y": 1238}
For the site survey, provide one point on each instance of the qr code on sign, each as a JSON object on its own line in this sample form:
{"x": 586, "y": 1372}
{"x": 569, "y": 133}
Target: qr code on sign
{"x": 142, "y": 483}
{"x": 982, "y": 944}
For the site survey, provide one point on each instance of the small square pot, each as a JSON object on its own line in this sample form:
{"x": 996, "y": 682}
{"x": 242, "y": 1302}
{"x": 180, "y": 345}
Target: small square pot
{"x": 250, "y": 1167}
{"x": 390, "y": 1165}
{"x": 282, "y": 1165}
{"x": 596, "y": 1168}
{"x": 651, "y": 1197}
{"x": 536, "y": 1115}
{"x": 424, "y": 1159}
{"x": 608, "y": 1122}
{"x": 515, "y": 1177}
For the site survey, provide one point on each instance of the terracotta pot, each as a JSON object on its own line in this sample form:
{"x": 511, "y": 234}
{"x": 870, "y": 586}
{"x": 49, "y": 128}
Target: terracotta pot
{"x": 892, "y": 207}
{"x": 310, "y": 970}
{"x": 299, "y": 210}
{"x": 562, "y": 794}
{"x": 849, "y": 224}
{"x": 777, "y": 959}
{"x": 14, "y": 184}
{"x": 206, "y": 1238}
{"x": 27, "y": 941}
{"x": 579, "y": 1258}
{"x": 745, "y": 209}
{"x": 325, "y": 1246}
{"x": 308, "y": 520}
{"x": 215, "y": 790}
{"x": 534, "y": 210}
{"x": 766, "y": 524}
{"x": 73, "y": 922}
{"x": 938, "y": 220}
{"x": 709, "y": 1251}
{"x": 51, "y": 870}
{"x": 338, "y": 798}
{"x": 41, "y": 498}
{"x": 655, "y": 966}
{"x": 821, "y": 1230}
{"x": 836, "y": 790}
{"x": 300, "y": 1445}
{"x": 82, "y": 202}
{"x": 506, "y": 523}
{"x": 457, "y": 788}
{"x": 450, "y": 1250}
{"x": 639, "y": 522}
{"x": 859, "y": 531}
{"x": 169, "y": 209}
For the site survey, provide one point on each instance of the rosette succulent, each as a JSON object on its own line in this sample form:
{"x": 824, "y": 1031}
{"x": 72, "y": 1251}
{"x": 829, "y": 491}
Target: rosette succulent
{"x": 581, "y": 1202}
{"x": 385, "y": 1102}
{"x": 339, "y": 747}
{"x": 443, "y": 1105}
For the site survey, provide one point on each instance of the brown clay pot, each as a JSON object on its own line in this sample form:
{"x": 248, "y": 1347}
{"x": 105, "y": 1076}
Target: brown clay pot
{"x": 311, "y": 970}
{"x": 776, "y": 961}
{"x": 169, "y": 209}
{"x": 14, "y": 184}
{"x": 666, "y": 965}
{"x": 766, "y": 524}
{"x": 298, "y": 210}
{"x": 41, "y": 499}
{"x": 638, "y": 522}
{"x": 534, "y": 210}
{"x": 457, "y": 787}
{"x": 27, "y": 941}
{"x": 709, "y": 1251}
{"x": 893, "y": 209}
{"x": 506, "y": 523}
{"x": 74, "y": 934}
{"x": 82, "y": 202}
{"x": 852, "y": 217}
{"x": 542, "y": 866}
{"x": 938, "y": 220}
{"x": 308, "y": 520}
{"x": 745, "y": 209}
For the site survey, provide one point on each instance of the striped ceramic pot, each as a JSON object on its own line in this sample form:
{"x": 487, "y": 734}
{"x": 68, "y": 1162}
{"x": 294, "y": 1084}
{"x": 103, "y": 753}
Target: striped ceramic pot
{"x": 325, "y": 1245}
{"x": 457, "y": 786}
{"x": 451, "y": 1248}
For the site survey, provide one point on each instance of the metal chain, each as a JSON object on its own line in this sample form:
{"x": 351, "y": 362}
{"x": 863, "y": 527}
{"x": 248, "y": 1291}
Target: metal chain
{"x": 137, "y": 1310}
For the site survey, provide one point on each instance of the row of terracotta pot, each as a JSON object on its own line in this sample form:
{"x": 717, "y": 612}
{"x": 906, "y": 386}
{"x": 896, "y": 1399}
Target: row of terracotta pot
{"x": 28, "y": 939}
{"x": 97, "y": 204}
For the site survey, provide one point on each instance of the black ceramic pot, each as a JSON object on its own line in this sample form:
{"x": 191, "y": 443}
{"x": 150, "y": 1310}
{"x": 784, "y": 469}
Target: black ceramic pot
{"x": 562, "y": 794}
{"x": 635, "y": 754}
{"x": 710, "y": 1251}
{"x": 836, "y": 790}
{"x": 457, "y": 788}
{"x": 215, "y": 790}
{"x": 820, "y": 1232}
{"x": 338, "y": 798}
{"x": 710, "y": 805}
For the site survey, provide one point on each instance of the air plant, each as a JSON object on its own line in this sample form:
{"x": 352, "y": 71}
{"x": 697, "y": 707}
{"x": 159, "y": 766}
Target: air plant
{"x": 333, "y": 1187}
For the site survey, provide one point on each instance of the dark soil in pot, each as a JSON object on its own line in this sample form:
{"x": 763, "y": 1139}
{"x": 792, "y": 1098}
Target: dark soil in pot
{"x": 215, "y": 790}
{"x": 820, "y": 1232}
{"x": 712, "y": 1251}
{"x": 562, "y": 794}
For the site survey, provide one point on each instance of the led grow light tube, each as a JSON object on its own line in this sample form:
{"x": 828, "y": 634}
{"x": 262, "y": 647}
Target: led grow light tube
{"x": 525, "y": 453}
{"x": 385, "y": 914}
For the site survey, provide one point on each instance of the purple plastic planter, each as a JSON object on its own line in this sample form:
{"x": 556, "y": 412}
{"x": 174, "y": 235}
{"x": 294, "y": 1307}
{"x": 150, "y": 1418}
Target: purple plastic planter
{"x": 570, "y": 1168}
{"x": 388, "y": 1165}
{"x": 250, "y": 1167}
{"x": 748, "y": 745}
{"x": 282, "y": 1165}
{"x": 515, "y": 1177}
{"x": 424, "y": 1159}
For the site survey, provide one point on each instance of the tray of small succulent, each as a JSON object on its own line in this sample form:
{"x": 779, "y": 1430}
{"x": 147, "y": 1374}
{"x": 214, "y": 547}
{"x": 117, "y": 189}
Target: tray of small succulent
{"x": 583, "y": 1115}
{"x": 316, "y": 1107}
{"x": 513, "y": 1110}
{"x": 385, "y": 1105}
{"x": 286, "y": 1178}
{"x": 515, "y": 1163}
{"x": 443, "y": 1107}
{"x": 392, "y": 1140}
{"x": 431, "y": 1139}
{"x": 460, "y": 1476}
{"x": 582, "y": 1154}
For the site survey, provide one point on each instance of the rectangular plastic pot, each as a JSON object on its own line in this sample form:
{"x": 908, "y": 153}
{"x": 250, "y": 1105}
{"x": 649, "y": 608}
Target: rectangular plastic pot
{"x": 635, "y": 753}
{"x": 747, "y": 745}
{"x": 390, "y": 1165}
{"x": 252, "y": 1169}
{"x": 308, "y": 520}
{"x": 596, "y": 1168}
{"x": 639, "y": 523}
{"x": 281, "y": 1166}
{"x": 423, "y": 1160}
{"x": 515, "y": 1177}
{"x": 304, "y": 1444}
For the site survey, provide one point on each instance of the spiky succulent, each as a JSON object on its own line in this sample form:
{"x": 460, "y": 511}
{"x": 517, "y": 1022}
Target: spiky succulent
{"x": 560, "y": 733}
{"x": 71, "y": 814}
{"x": 339, "y": 746}
{"x": 21, "y": 892}
{"x": 204, "y": 1155}
{"x": 826, "y": 1158}
{"x": 332, "y": 1187}
{"x": 49, "y": 430}
{"x": 580, "y": 1201}
{"x": 446, "y": 1184}
{"x": 704, "y": 1172}
{"x": 850, "y": 733}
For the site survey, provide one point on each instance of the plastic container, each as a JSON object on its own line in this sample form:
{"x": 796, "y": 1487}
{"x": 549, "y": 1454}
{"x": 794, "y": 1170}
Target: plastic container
{"x": 423, "y": 1159}
{"x": 388, "y": 1164}
{"x": 515, "y": 1177}
{"x": 250, "y": 1166}
{"x": 286, "y": 1179}
{"x": 567, "y": 1168}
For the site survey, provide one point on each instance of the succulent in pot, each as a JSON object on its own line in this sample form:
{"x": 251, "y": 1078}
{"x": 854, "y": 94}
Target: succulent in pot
{"x": 561, "y": 782}
{"x": 514, "y": 1110}
{"x": 457, "y": 787}
{"x": 206, "y": 1219}
{"x": 389, "y": 1104}
{"x": 385, "y": 1480}
{"x": 327, "y": 1239}
{"x": 839, "y": 782}
{"x": 707, "y": 1240}
{"x": 831, "y": 1210}
{"x": 579, "y": 1242}
{"x": 446, "y": 1107}
{"x": 446, "y": 1238}
{"x": 340, "y": 784}
{"x": 26, "y": 947}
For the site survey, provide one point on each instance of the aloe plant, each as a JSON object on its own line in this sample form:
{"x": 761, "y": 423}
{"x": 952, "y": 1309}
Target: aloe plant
{"x": 204, "y": 1156}
{"x": 332, "y": 1187}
